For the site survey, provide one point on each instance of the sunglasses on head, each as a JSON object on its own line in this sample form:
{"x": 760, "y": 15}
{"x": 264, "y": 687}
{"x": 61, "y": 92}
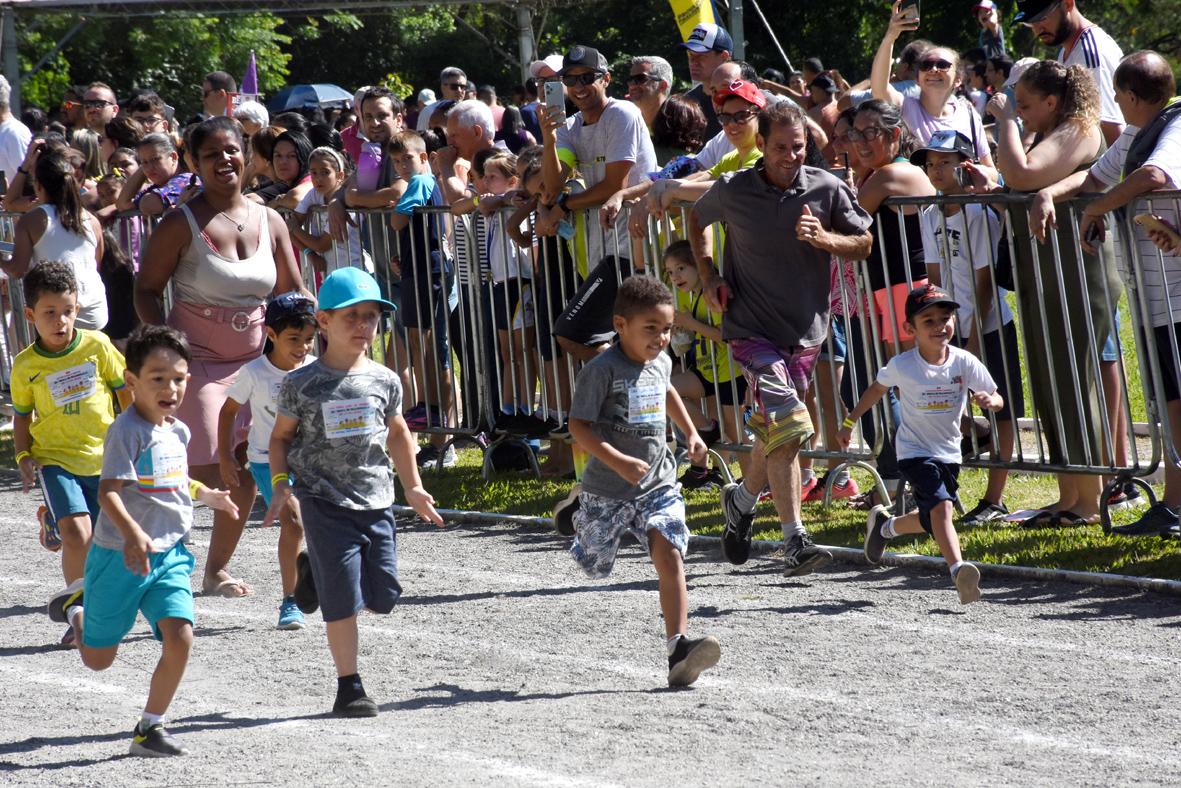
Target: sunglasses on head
{"x": 741, "y": 116}
{"x": 589, "y": 78}
{"x": 931, "y": 65}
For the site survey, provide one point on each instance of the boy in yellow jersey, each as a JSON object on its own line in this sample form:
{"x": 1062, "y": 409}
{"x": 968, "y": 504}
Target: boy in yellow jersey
{"x": 61, "y": 392}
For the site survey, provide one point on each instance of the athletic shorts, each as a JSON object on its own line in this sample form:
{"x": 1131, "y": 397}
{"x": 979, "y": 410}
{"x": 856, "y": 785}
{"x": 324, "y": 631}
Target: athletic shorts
{"x": 512, "y": 304}
{"x": 932, "y": 482}
{"x": 725, "y": 391}
{"x": 587, "y": 319}
{"x": 1170, "y": 370}
{"x": 553, "y": 287}
{"x": 68, "y": 494}
{"x": 354, "y": 555}
{"x": 600, "y": 524}
{"x": 261, "y": 471}
{"x": 778, "y": 379}
{"x": 114, "y": 595}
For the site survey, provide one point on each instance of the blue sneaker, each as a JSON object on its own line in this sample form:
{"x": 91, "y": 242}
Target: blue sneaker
{"x": 290, "y": 616}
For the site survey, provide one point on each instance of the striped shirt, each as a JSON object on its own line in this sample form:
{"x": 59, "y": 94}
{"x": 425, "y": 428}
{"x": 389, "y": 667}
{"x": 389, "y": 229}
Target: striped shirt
{"x": 1097, "y": 52}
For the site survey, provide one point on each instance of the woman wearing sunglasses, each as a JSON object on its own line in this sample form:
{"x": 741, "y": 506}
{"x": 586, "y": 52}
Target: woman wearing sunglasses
{"x": 937, "y": 106}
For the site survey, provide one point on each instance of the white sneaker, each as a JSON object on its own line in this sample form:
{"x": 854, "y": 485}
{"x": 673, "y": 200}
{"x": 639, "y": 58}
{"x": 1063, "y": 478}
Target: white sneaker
{"x": 967, "y": 583}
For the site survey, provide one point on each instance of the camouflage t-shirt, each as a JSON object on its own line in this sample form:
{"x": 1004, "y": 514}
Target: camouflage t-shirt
{"x": 339, "y": 452}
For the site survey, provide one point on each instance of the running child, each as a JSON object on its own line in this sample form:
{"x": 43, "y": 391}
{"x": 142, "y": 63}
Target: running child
{"x": 291, "y": 330}
{"x": 933, "y": 380}
{"x": 309, "y": 227}
{"x": 61, "y": 398}
{"x": 138, "y": 562}
{"x": 339, "y": 424}
{"x": 710, "y": 372}
{"x": 622, "y": 401}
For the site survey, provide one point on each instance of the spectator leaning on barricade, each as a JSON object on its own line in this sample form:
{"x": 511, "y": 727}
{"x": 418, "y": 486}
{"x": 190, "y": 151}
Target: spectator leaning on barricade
{"x": 14, "y": 135}
{"x": 159, "y": 168}
{"x": 1059, "y": 23}
{"x": 709, "y": 46}
{"x": 649, "y": 82}
{"x": 607, "y": 145}
{"x": 783, "y": 222}
{"x": 1146, "y": 158}
{"x": 1060, "y": 106}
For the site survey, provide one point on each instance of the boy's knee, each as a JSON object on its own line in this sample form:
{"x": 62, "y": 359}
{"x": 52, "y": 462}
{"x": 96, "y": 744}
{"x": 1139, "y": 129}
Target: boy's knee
{"x": 97, "y": 659}
{"x": 75, "y": 530}
{"x": 176, "y": 633}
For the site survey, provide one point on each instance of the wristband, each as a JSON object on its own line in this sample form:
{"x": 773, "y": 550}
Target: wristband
{"x": 475, "y": 199}
{"x": 20, "y": 455}
{"x": 280, "y": 477}
{"x": 848, "y": 423}
{"x": 195, "y": 488}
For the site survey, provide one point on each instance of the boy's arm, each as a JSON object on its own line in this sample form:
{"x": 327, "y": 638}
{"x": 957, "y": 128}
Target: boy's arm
{"x": 317, "y": 243}
{"x": 281, "y": 437}
{"x": 676, "y": 411}
{"x": 630, "y": 469}
{"x": 22, "y": 444}
{"x": 136, "y": 543}
{"x": 400, "y": 444}
{"x": 228, "y": 464}
{"x": 870, "y": 398}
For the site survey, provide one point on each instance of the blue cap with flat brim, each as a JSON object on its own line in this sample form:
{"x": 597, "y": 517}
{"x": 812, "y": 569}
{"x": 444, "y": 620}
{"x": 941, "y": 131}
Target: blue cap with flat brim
{"x": 347, "y": 286}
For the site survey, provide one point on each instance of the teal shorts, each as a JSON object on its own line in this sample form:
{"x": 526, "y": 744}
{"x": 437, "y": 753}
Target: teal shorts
{"x": 113, "y": 595}
{"x": 261, "y": 471}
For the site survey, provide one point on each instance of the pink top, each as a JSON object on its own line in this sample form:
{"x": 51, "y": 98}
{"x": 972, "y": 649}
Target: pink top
{"x": 962, "y": 119}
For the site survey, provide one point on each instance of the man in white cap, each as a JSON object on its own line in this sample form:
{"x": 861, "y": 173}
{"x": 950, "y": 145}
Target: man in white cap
{"x": 992, "y": 36}
{"x": 708, "y": 47}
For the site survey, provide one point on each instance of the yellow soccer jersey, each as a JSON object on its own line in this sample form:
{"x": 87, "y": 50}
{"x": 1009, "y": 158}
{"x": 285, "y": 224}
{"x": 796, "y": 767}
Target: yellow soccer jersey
{"x": 69, "y": 395}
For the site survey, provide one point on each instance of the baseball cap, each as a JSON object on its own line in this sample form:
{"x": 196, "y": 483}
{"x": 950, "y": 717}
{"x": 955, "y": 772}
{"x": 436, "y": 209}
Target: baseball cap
{"x": 708, "y": 37}
{"x": 1018, "y": 69}
{"x": 925, "y": 297}
{"x": 552, "y": 63}
{"x": 586, "y": 57}
{"x": 347, "y": 286}
{"x": 944, "y": 141}
{"x": 1030, "y": 11}
{"x": 286, "y": 305}
{"x": 744, "y": 90}
{"x": 824, "y": 82}
{"x": 426, "y": 96}
{"x": 987, "y": 4}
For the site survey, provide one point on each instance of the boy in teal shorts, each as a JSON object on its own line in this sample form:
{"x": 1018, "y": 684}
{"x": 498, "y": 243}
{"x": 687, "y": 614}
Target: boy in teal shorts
{"x": 61, "y": 393}
{"x": 138, "y": 562}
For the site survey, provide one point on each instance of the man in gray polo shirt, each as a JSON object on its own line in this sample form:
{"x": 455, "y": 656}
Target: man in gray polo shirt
{"x": 784, "y": 223}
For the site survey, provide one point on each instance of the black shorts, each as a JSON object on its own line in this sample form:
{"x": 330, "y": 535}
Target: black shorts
{"x": 554, "y": 286}
{"x": 932, "y": 482}
{"x": 423, "y": 296}
{"x": 1170, "y": 370}
{"x": 725, "y": 391}
{"x": 1005, "y": 370}
{"x": 587, "y": 319}
{"x": 506, "y": 297}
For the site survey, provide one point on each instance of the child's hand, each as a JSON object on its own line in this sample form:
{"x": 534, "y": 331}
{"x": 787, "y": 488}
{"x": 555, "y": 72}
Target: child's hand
{"x": 682, "y": 319}
{"x": 423, "y": 503}
{"x": 218, "y": 499}
{"x": 986, "y": 401}
{"x": 279, "y": 498}
{"x": 489, "y": 204}
{"x": 631, "y": 469}
{"x": 135, "y": 553}
{"x": 28, "y": 469}
{"x": 229, "y": 469}
{"x": 845, "y": 436}
{"x": 698, "y": 451}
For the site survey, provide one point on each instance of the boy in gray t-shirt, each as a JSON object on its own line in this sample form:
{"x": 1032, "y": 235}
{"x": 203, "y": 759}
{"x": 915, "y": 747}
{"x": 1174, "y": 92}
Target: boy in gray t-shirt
{"x": 138, "y": 562}
{"x": 339, "y": 424}
{"x": 622, "y": 400}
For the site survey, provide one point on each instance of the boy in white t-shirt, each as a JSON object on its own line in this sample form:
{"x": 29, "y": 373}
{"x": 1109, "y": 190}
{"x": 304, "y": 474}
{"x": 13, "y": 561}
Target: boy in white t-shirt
{"x": 291, "y": 330}
{"x": 933, "y": 380}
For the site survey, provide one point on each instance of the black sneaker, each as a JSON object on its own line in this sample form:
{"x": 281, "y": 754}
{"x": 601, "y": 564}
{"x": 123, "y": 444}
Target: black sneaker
{"x": 65, "y": 599}
{"x": 698, "y": 478}
{"x": 564, "y": 512}
{"x": 710, "y": 435}
{"x": 875, "y": 543}
{"x": 739, "y": 528}
{"x": 690, "y": 657}
{"x": 1157, "y": 521}
{"x": 353, "y": 702}
{"x": 305, "y": 585}
{"x": 155, "y": 742}
{"x": 803, "y": 557}
{"x": 985, "y": 512}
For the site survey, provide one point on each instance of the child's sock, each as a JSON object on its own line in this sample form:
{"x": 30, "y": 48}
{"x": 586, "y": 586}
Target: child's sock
{"x": 842, "y": 477}
{"x": 791, "y": 530}
{"x": 887, "y": 529}
{"x": 744, "y": 500}
{"x": 807, "y": 475}
{"x": 72, "y": 613}
{"x": 671, "y": 643}
{"x": 147, "y": 719}
{"x": 955, "y": 568}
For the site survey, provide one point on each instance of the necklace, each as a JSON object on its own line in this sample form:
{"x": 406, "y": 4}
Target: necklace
{"x": 240, "y": 225}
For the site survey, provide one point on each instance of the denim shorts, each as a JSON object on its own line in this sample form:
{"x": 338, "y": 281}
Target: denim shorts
{"x": 835, "y": 347}
{"x": 66, "y": 493}
{"x": 1111, "y": 348}
{"x": 600, "y": 524}
{"x": 114, "y": 595}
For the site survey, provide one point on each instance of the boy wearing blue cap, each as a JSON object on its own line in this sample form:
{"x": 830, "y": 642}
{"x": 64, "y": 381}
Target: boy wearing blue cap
{"x": 338, "y": 425}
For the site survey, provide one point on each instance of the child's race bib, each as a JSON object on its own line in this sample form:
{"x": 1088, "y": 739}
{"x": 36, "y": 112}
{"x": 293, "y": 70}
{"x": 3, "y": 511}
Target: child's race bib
{"x": 73, "y": 384}
{"x": 169, "y": 468}
{"x": 345, "y": 418}
{"x": 645, "y": 404}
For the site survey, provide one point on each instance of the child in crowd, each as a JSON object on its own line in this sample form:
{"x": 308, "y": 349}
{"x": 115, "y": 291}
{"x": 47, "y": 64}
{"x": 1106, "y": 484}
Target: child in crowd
{"x": 118, "y": 275}
{"x": 339, "y": 424}
{"x": 309, "y": 227}
{"x": 707, "y": 362}
{"x": 622, "y": 401}
{"x": 138, "y": 562}
{"x": 960, "y": 244}
{"x": 109, "y": 187}
{"x": 291, "y": 330}
{"x": 61, "y": 398}
{"x": 933, "y": 380}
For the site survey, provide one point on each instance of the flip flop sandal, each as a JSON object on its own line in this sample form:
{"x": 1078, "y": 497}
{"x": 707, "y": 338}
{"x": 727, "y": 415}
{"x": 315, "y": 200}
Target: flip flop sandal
{"x": 1043, "y": 519}
{"x": 1068, "y": 519}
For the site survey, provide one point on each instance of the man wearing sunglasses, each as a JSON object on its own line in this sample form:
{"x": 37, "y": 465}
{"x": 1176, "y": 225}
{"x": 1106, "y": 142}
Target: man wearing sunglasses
{"x": 100, "y": 105}
{"x": 607, "y": 144}
{"x": 452, "y": 84}
{"x": 1059, "y": 23}
{"x": 649, "y": 81}
{"x": 708, "y": 47}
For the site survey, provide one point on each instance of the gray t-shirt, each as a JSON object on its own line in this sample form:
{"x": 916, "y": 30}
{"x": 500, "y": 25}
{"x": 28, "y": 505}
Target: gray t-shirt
{"x": 625, "y": 402}
{"x": 339, "y": 452}
{"x": 155, "y": 460}
{"x": 779, "y": 285}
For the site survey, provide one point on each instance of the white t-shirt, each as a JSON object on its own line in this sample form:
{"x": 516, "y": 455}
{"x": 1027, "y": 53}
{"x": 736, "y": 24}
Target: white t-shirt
{"x": 618, "y": 135}
{"x": 713, "y": 151}
{"x": 957, "y": 270}
{"x": 504, "y": 256}
{"x": 931, "y": 400}
{"x": 258, "y": 383}
{"x": 342, "y": 254}
{"x": 1162, "y": 272}
{"x": 1097, "y": 52}
{"x": 14, "y": 144}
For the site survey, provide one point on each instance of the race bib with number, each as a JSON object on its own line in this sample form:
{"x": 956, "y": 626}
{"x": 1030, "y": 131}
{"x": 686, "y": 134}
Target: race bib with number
{"x": 346, "y": 418}
{"x": 73, "y": 384}
{"x": 645, "y": 404}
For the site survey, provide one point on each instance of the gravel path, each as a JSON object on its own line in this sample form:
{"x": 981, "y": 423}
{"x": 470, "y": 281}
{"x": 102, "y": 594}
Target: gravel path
{"x": 504, "y": 664}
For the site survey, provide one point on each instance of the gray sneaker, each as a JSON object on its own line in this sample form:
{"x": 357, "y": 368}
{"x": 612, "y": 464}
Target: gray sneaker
{"x": 1157, "y": 521}
{"x": 802, "y": 557}
{"x": 875, "y": 543}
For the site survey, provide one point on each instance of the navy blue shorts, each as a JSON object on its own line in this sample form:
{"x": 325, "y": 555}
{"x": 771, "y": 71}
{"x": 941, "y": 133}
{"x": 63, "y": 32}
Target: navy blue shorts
{"x": 354, "y": 556}
{"x": 932, "y": 483}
